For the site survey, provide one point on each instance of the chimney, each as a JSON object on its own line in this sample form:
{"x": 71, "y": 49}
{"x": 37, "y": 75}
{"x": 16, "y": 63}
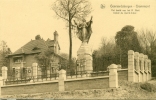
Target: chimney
{"x": 55, "y": 36}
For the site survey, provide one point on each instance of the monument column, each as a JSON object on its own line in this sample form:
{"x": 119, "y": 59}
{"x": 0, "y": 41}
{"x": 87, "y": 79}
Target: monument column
{"x": 84, "y": 53}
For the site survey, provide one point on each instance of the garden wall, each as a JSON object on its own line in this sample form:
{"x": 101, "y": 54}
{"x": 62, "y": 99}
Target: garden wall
{"x": 30, "y": 88}
{"x": 92, "y": 83}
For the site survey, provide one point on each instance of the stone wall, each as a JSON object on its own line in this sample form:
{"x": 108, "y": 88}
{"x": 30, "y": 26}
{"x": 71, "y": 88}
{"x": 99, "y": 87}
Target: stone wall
{"x": 95, "y": 83}
{"x": 123, "y": 74}
{"x": 30, "y": 88}
{"x": 70, "y": 85}
{"x": 139, "y": 67}
{"x": 64, "y": 84}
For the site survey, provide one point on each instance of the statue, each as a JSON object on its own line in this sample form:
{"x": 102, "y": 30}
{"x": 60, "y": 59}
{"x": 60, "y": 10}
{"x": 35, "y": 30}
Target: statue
{"x": 84, "y": 30}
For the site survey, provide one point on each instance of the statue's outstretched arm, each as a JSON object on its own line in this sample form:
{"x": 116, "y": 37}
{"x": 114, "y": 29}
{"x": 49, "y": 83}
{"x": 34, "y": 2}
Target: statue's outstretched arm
{"x": 91, "y": 18}
{"x": 90, "y": 22}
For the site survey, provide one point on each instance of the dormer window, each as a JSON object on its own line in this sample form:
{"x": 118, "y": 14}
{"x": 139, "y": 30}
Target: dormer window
{"x": 36, "y": 48}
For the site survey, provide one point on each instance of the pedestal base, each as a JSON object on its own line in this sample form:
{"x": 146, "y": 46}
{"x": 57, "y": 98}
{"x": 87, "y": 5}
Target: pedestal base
{"x": 84, "y": 58}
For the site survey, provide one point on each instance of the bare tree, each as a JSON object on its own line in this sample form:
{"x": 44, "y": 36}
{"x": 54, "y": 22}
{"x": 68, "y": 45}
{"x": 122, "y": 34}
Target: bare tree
{"x": 107, "y": 46}
{"x": 147, "y": 39}
{"x": 71, "y": 9}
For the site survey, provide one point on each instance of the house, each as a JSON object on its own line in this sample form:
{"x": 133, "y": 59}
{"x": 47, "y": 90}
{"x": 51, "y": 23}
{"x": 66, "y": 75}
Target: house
{"x": 22, "y": 59}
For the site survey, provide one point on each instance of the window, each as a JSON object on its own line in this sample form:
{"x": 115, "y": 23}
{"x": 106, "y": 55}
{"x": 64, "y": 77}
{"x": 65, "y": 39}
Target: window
{"x": 18, "y": 59}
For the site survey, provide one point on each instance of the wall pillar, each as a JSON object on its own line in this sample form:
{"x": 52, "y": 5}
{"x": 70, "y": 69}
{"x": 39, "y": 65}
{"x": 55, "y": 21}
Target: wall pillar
{"x": 62, "y": 73}
{"x": 137, "y": 78}
{"x": 4, "y": 72}
{"x": 62, "y": 77}
{"x": 149, "y": 69}
{"x": 113, "y": 76}
{"x": 145, "y": 68}
{"x": 1, "y": 84}
{"x": 131, "y": 74}
{"x": 142, "y": 67}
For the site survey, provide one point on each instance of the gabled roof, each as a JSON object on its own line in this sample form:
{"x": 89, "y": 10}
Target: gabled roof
{"x": 33, "y": 46}
{"x": 36, "y": 46}
{"x": 50, "y": 42}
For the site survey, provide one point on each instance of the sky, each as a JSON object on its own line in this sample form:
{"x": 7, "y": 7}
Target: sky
{"x": 22, "y": 20}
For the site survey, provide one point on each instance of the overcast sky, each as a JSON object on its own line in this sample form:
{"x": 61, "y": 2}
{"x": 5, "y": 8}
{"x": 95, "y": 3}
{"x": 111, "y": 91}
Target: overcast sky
{"x": 22, "y": 20}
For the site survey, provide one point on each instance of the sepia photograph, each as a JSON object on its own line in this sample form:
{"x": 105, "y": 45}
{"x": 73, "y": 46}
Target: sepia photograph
{"x": 77, "y": 49}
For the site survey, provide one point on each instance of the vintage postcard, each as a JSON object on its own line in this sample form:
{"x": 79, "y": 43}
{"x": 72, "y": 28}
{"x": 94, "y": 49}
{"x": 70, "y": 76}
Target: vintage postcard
{"x": 77, "y": 49}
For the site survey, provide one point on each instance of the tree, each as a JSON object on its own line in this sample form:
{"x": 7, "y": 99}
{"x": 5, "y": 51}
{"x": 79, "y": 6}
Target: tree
{"x": 127, "y": 39}
{"x": 71, "y": 9}
{"x": 44, "y": 58}
{"x": 72, "y": 63}
{"x": 105, "y": 55}
{"x": 4, "y": 51}
{"x": 147, "y": 39}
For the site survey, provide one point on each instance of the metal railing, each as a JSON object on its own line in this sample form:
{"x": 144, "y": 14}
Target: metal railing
{"x": 30, "y": 79}
{"x": 80, "y": 74}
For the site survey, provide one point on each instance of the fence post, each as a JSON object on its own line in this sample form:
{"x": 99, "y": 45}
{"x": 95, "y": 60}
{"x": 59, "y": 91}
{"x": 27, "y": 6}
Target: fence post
{"x": 131, "y": 76}
{"x": 113, "y": 76}
{"x": 1, "y": 84}
{"x": 62, "y": 77}
{"x": 4, "y": 72}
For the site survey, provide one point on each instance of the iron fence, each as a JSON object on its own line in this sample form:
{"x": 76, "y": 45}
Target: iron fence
{"x": 27, "y": 75}
{"x": 31, "y": 79}
{"x": 80, "y": 74}
{"x": 45, "y": 73}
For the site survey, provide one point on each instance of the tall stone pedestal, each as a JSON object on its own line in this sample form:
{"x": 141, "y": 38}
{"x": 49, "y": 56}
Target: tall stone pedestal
{"x": 84, "y": 58}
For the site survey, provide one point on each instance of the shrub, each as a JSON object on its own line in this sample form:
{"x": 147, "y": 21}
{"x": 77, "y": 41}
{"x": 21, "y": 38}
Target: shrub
{"x": 148, "y": 87}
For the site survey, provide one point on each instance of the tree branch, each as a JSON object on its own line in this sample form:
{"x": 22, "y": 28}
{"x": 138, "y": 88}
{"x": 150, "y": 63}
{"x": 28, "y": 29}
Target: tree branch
{"x": 64, "y": 6}
{"x": 61, "y": 16}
